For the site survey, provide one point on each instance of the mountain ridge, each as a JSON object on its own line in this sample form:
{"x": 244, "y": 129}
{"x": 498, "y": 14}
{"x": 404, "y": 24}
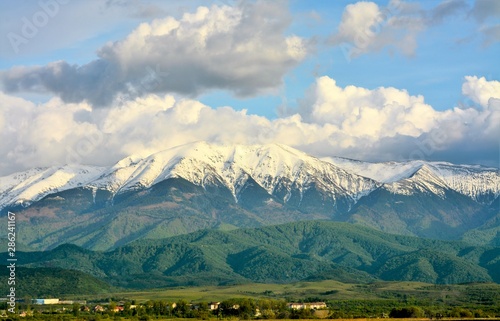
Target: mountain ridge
{"x": 278, "y": 254}
{"x": 133, "y": 173}
{"x": 474, "y": 181}
{"x": 230, "y": 166}
{"x": 199, "y": 186}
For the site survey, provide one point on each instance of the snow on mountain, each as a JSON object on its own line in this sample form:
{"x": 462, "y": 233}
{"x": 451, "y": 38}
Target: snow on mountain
{"x": 480, "y": 183}
{"x": 34, "y": 184}
{"x": 271, "y": 166}
{"x": 277, "y": 168}
{"x": 423, "y": 180}
{"x": 202, "y": 163}
{"x": 387, "y": 172}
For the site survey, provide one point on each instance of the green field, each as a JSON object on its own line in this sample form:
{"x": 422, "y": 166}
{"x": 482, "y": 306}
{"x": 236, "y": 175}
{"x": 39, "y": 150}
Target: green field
{"x": 486, "y": 293}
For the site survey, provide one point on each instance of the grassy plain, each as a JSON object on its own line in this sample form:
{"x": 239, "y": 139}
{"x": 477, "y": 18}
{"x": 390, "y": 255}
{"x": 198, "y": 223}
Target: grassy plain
{"x": 487, "y": 293}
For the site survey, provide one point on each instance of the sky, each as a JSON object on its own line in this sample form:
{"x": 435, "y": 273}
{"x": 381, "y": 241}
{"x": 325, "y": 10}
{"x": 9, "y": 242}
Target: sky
{"x": 92, "y": 82}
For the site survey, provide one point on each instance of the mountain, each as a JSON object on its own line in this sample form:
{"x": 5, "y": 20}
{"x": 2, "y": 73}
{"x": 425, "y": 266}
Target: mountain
{"x": 421, "y": 205}
{"x": 277, "y": 169}
{"x": 429, "y": 199}
{"x": 46, "y": 282}
{"x": 278, "y": 254}
{"x": 200, "y": 185}
{"x": 482, "y": 184}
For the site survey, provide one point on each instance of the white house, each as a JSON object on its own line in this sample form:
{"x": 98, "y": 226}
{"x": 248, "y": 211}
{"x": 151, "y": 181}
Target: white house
{"x": 307, "y": 305}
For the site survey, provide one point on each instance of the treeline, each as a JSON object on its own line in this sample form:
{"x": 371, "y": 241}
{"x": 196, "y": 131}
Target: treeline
{"x": 350, "y": 309}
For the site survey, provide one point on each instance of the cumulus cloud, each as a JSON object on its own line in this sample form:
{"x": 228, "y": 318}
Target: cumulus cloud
{"x": 382, "y": 112}
{"x": 241, "y": 49}
{"x": 369, "y": 124}
{"x": 481, "y": 91}
{"x": 366, "y": 27}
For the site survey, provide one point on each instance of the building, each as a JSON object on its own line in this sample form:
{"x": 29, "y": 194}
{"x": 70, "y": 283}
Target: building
{"x": 66, "y": 301}
{"x": 307, "y": 305}
{"x": 118, "y": 308}
{"x": 214, "y": 305}
{"x": 316, "y": 305}
{"x": 295, "y": 306}
{"x": 98, "y": 308}
{"x": 46, "y": 301}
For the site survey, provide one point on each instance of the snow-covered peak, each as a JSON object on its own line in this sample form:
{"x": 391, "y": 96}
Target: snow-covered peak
{"x": 477, "y": 182}
{"x": 387, "y": 172}
{"x": 232, "y": 166}
{"x": 422, "y": 180}
{"x": 32, "y": 185}
{"x": 272, "y": 166}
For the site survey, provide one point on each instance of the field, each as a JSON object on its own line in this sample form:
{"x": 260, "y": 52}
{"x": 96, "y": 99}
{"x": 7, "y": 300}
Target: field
{"x": 326, "y": 290}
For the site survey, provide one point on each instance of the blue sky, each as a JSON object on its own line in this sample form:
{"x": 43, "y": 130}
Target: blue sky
{"x": 372, "y": 80}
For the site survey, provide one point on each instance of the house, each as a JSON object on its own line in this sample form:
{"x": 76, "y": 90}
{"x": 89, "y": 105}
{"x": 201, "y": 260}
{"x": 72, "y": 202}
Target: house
{"x": 118, "y": 308}
{"x": 98, "y": 308}
{"x": 214, "y": 305}
{"x": 307, "y": 305}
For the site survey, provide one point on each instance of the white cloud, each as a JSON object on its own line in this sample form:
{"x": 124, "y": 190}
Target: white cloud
{"x": 242, "y": 49}
{"x": 367, "y": 27}
{"x": 382, "y": 112}
{"x": 36, "y": 28}
{"x": 370, "y": 124}
{"x": 481, "y": 90}
{"x": 358, "y": 25}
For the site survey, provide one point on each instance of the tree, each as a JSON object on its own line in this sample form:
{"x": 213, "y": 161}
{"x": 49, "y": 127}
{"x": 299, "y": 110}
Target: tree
{"x": 181, "y": 309}
{"x": 27, "y": 301}
{"x": 76, "y": 309}
{"x": 111, "y": 307}
{"x": 202, "y": 312}
{"x": 126, "y": 308}
{"x": 407, "y": 312}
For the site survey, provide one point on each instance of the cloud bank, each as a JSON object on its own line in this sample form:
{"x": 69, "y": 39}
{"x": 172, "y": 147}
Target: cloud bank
{"x": 241, "y": 49}
{"x": 370, "y": 124}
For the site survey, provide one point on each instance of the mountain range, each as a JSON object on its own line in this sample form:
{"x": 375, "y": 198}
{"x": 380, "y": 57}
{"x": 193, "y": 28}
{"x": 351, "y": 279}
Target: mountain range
{"x": 205, "y": 186}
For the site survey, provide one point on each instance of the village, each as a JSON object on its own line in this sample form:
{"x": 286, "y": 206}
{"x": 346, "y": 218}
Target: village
{"x": 241, "y": 308}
